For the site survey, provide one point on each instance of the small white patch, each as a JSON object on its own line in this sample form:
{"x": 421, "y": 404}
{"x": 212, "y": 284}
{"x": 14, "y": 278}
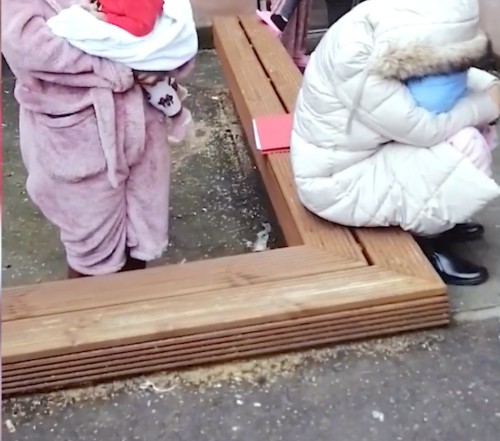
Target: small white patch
{"x": 378, "y": 415}
{"x": 10, "y": 426}
{"x": 262, "y": 239}
{"x": 149, "y": 385}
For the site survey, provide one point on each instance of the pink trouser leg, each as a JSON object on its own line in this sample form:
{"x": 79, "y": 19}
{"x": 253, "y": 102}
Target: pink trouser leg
{"x": 295, "y": 33}
{"x": 104, "y": 229}
{"x": 473, "y": 145}
{"x": 294, "y": 37}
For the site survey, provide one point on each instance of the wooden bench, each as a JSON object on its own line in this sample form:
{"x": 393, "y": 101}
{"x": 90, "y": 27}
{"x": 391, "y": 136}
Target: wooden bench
{"x": 263, "y": 80}
{"x": 330, "y": 284}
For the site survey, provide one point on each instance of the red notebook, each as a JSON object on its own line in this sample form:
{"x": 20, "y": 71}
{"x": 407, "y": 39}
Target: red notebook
{"x": 272, "y": 132}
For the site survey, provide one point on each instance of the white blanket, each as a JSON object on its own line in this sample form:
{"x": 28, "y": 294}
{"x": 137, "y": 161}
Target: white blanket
{"x": 172, "y": 42}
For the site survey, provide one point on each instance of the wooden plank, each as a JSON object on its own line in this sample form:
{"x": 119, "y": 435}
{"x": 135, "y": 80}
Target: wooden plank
{"x": 144, "y": 359}
{"x": 181, "y": 354}
{"x": 286, "y": 79}
{"x": 280, "y": 68}
{"x": 253, "y": 95}
{"x": 323, "y": 339}
{"x": 393, "y": 248}
{"x": 170, "y": 281}
{"x": 389, "y": 247}
{"x": 197, "y": 343}
{"x": 316, "y": 232}
{"x": 183, "y": 315}
{"x": 66, "y": 333}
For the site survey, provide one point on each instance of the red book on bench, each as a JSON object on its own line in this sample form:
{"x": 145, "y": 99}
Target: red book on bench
{"x": 272, "y": 132}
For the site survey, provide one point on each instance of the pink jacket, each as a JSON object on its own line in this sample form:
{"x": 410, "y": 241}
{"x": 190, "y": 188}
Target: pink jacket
{"x": 76, "y": 110}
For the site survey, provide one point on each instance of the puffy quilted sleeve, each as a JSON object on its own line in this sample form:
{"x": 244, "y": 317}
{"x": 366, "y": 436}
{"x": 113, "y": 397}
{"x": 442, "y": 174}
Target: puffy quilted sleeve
{"x": 480, "y": 80}
{"x": 387, "y": 107}
{"x": 29, "y": 45}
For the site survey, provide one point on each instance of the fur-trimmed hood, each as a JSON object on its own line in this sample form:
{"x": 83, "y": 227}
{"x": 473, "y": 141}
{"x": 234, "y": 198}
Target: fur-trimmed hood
{"x": 425, "y": 37}
{"x": 420, "y": 59}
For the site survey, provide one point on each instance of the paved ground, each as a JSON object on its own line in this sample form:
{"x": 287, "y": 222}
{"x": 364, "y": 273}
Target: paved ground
{"x": 442, "y": 386}
{"x": 431, "y": 386}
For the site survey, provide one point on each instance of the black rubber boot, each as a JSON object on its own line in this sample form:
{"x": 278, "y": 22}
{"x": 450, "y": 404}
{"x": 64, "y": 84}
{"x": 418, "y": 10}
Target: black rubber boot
{"x": 466, "y": 232}
{"x": 453, "y": 269}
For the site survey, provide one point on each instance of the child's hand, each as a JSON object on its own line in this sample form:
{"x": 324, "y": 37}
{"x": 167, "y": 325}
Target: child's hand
{"x": 149, "y": 78}
{"x": 94, "y": 9}
{"x": 98, "y": 14}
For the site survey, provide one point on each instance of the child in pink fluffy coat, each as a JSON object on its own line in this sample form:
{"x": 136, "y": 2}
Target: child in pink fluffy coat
{"x": 95, "y": 151}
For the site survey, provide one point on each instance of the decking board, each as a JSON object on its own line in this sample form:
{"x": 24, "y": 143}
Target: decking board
{"x": 164, "y": 282}
{"x": 198, "y": 342}
{"x": 163, "y": 361}
{"x": 332, "y": 284}
{"x": 202, "y": 312}
{"x": 251, "y": 82}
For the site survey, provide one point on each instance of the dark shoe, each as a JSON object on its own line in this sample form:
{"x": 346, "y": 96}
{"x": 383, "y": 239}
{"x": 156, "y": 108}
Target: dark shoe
{"x": 464, "y": 232}
{"x": 457, "y": 271}
{"x": 452, "y": 269}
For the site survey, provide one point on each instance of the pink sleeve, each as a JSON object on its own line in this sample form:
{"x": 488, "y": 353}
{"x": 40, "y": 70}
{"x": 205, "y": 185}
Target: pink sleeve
{"x": 29, "y": 45}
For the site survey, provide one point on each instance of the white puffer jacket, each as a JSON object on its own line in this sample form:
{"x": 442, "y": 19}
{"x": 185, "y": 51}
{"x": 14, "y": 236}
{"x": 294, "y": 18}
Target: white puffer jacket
{"x": 362, "y": 153}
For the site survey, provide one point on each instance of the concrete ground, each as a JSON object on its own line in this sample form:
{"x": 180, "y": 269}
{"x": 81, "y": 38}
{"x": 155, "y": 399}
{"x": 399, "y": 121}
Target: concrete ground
{"x": 439, "y": 386}
{"x": 442, "y": 385}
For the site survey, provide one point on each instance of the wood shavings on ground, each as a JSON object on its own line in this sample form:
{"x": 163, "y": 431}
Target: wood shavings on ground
{"x": 255, "y": 372}
{"x": 149, "y": 385}
{"x": 261, "y": 371}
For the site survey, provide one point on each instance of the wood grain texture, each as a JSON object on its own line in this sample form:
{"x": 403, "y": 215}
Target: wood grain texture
{"x": 199, "y": 312}
{"x": 286, "y": 79}
{"x": 393, "y": 248}
{"x": 216, "y": 350}
{"x": 199, "y": 342}
{"x": 332, "y": 285}
{"x": 170, "y": 281}
{"x": 278, "y": 65}
{"x": 254, "y": 348}
{"x": 253, "y": 95}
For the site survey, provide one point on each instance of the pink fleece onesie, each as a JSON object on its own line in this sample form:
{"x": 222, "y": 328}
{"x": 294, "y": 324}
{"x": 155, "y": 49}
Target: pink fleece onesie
{"x": 95, "y": 151}
{"x": 476, "y": 146}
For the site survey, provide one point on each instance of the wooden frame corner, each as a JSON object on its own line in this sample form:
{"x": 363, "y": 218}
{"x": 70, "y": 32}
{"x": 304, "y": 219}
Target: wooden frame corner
{"x": 330, "y": 284}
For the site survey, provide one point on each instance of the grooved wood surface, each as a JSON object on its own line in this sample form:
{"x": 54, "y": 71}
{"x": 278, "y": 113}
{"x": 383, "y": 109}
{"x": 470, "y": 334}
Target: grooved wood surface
{"x": 253, "y": 95}
{"x": 279, "y": 70}
{"x": 250, "y": 344}
{"x": 393, "y": 248}
{"x": 199, "y": 343}
{"x": 164, "y": 282}
{"x": 201, "y": 312}
{"x": 331, "y": 285}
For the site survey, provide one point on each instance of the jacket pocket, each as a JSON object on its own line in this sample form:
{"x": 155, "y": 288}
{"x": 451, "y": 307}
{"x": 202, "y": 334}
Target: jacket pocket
{"x": 69, "y": 146}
